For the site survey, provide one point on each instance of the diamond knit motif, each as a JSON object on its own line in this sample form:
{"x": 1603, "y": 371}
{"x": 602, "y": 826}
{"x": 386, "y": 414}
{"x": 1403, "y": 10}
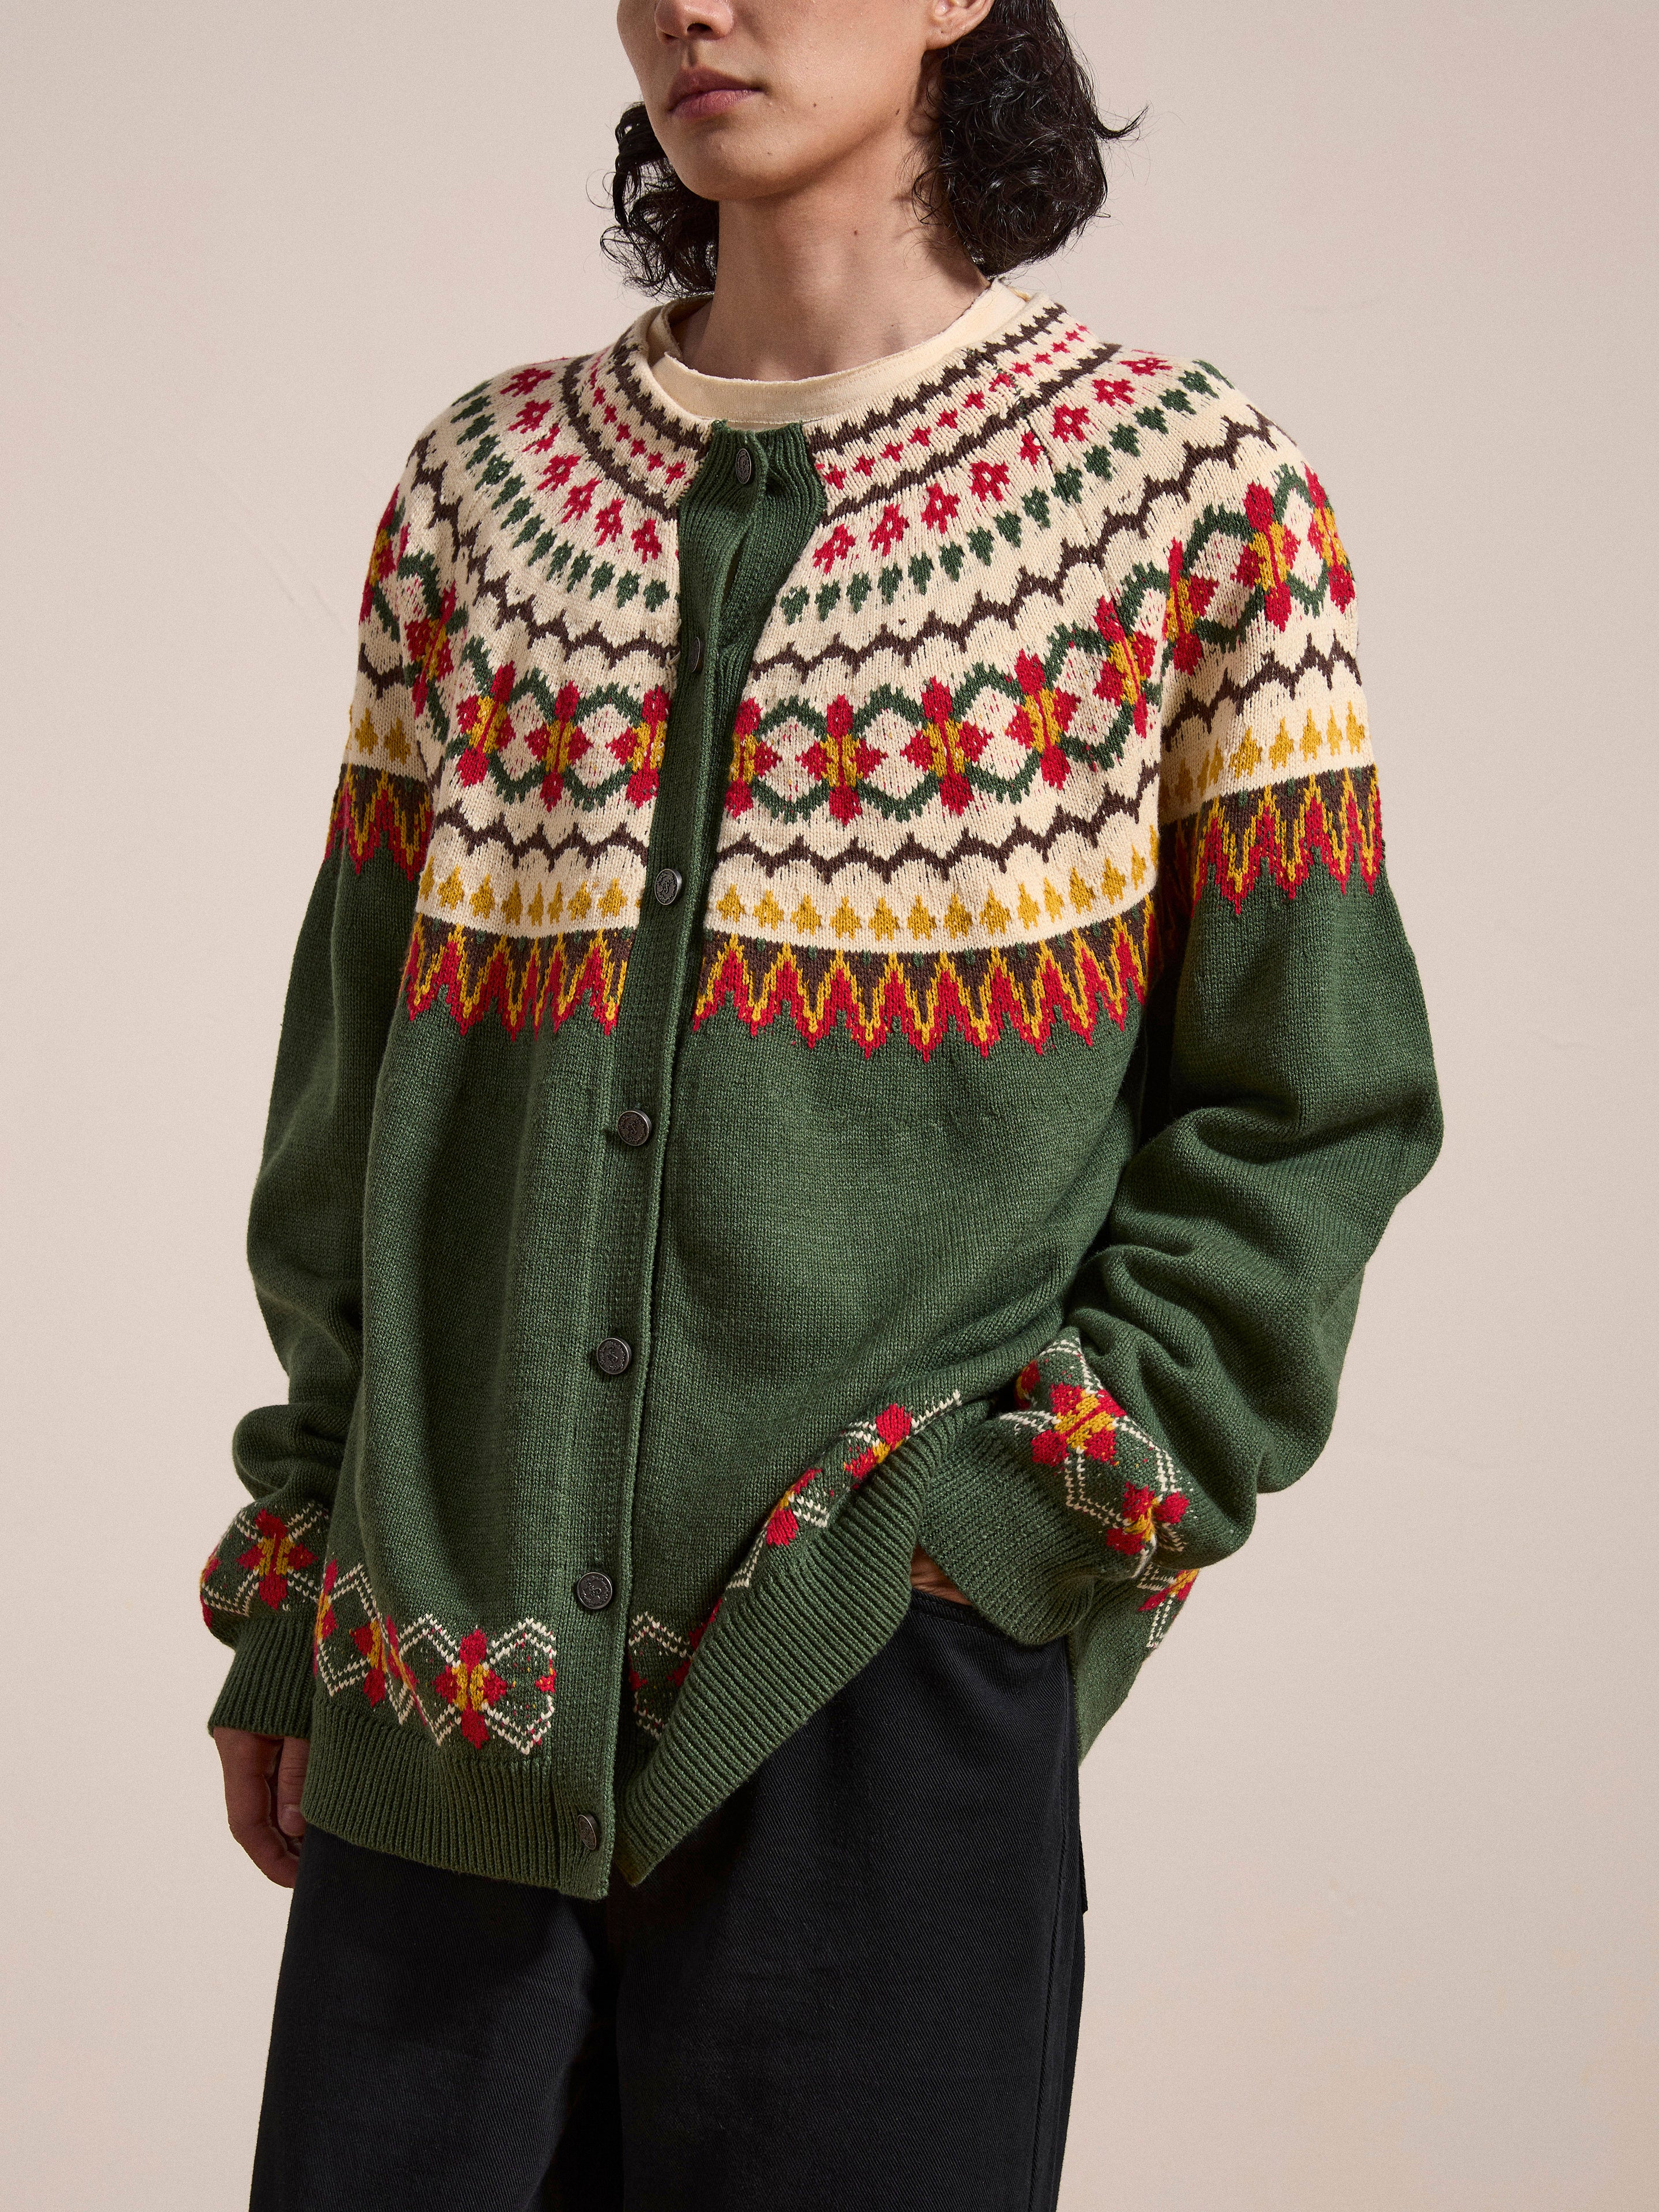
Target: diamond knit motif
{"x": 490, "y": 1688}
{"x": 265, "y": 1559}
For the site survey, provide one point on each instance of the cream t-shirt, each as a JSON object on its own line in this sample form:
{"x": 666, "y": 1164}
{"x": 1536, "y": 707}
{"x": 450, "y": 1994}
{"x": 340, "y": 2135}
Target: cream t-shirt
{"x": 757, "y": 405}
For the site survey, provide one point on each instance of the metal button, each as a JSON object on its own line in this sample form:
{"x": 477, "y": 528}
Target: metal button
{"x": 613, "y": 1354}
{"x": 666, "y": 888}
{"x": 587, "y": 1832}
{"x": 595, "y": 1590}
{"x": 744, "y": 467}
{"x": 696, "y": 654}
{"x": 633, "y": 1126}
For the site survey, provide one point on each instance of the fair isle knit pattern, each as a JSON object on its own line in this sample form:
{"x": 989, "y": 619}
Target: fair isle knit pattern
{"x": 934, "y": 1070}
{"x": 1021, "y": 648}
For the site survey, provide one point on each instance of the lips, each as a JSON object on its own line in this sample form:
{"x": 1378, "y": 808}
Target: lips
{"x": 698, "y": 93}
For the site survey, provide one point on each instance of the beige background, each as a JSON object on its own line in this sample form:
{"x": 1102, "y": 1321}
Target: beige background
{"x": 1370, "y": 1849}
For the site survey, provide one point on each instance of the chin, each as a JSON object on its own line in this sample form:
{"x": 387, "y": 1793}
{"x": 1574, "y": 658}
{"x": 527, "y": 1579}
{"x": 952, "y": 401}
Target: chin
{"x": 732, "y": 157}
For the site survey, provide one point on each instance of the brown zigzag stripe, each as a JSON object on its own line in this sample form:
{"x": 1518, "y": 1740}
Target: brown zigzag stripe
{"x": 463, "y": 548}
{"x": 842, "y": 503}
{"x": 1021, "y": 991}
{"x": 842, "y": 432}
{"x": 1111, "y": 525}
{"x": 459, "y": 829}
{"x": 998, "y": 417}
{"x": 382, "y": 679}
{"x": 526, "y": 981}
{"x": 1228, "y": 693}
{"x": 845, "y": 432}
{"x": 431, "y": 476}
{"x": 1049, "y": 585}
{"x": 593, "y": 639}
{"x": 838, "y": 434}
{"x": 595, "y": 444}
{"x": 468, "y": 544}
{"x": 372, "y": 807}
{"x": 1278, "y": 834}
{"x": 1334, "y": 819}
{"x": 769, "y": 861}
{"x": 672, "y": 430}
{"x": 1238, "y": 435}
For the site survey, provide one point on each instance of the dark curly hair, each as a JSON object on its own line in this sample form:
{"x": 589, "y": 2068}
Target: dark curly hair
{"x": 1015, "y": 169}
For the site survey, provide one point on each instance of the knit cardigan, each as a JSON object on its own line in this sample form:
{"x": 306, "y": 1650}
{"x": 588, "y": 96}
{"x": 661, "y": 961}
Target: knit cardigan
{"x": 851, "y": 998}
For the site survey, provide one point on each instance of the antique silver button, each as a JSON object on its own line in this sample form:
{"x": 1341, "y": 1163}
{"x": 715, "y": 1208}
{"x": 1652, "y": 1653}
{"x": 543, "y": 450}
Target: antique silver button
{"x": 595, "y": 1591}
{"x": 666, "y": 888}
{"x": 587, "y": 1832}
{"x": 613, "y": 1354}
{"x": 633, "y": 1126}
{"x": 744, "y": 467}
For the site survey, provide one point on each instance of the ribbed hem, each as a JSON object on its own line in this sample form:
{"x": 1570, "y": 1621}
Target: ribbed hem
{"x": 779, "y": 1652}
{"x": 391, "y": 1789}
{"x": 268, "y": 1687}
{"x": 1007, "y": 1542}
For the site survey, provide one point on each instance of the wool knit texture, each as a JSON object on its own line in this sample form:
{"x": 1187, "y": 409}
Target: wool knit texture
{"x": 951, "y": 824}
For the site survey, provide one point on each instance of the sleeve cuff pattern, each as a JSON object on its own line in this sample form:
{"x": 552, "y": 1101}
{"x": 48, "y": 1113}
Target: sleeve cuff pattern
{"x": 265, "y": 1559}
{"x": 1061, "y": 1498}
{"x": 260, "y": 1592}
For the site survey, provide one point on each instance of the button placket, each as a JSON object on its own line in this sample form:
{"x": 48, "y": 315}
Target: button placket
{"x": 714, "y": 520}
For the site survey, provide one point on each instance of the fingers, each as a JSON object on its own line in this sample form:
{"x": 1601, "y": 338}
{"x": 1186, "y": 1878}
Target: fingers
{"x": 252, "y": 1765}
{"x": 291, "y": 1781}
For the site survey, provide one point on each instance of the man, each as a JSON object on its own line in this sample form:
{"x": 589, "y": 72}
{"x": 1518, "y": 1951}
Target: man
{"x": 850, "y": 1048}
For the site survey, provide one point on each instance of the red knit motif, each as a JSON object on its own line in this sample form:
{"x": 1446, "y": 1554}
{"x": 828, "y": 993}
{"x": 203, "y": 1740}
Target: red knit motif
{"x": 471, "y": 1685}
{"x": 273, "y": 1557}
{"x": 892, "y": 1425}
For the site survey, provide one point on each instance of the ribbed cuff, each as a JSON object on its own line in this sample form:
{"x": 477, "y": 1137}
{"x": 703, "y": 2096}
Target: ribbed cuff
{"x": 1006, "y": 1541}
{"x": 269, "y": 1684}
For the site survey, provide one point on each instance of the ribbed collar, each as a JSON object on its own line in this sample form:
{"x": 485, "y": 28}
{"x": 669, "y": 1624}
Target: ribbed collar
{"x": 762, "y": 405}
{"x": 900, "y": 428}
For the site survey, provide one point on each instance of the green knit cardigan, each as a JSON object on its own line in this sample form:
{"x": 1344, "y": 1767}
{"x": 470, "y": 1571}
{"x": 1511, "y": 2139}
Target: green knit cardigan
{"x": 851, "y": 998}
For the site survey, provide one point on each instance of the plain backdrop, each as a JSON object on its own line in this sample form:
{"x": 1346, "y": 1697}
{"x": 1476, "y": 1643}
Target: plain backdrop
{"x": 1372, "y": 1919}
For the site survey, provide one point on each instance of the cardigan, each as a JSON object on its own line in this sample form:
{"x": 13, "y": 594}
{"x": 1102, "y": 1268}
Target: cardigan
{"x": 851, "y": 998}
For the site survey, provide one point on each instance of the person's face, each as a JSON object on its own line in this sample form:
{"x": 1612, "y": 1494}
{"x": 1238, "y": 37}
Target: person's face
{"x": 750, "y": 98}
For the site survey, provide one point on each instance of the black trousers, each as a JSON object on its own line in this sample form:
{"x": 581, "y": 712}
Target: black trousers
{"x": 855, "y": 1984}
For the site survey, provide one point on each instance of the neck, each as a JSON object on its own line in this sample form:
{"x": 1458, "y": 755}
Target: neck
{"x": 824, "y": 279}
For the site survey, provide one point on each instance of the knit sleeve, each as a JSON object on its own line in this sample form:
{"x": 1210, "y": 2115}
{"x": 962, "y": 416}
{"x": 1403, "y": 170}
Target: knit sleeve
{"x": 1289, "y": 1102}
{"x": 262, "y": 1583}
